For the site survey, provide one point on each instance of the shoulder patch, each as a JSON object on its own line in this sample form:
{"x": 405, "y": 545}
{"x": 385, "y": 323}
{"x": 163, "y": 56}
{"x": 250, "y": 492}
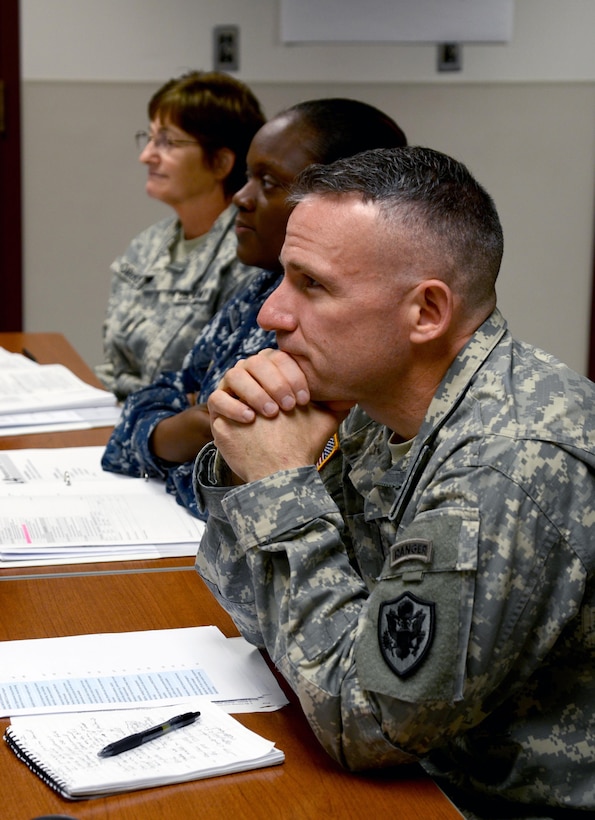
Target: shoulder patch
{"x": 330, "y": 448}
{"x": 405, "y": 632}
{"x": 416, "y": 549}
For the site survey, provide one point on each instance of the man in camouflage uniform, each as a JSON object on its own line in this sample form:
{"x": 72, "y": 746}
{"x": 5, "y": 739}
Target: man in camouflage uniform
{"x": 427, "y": 587}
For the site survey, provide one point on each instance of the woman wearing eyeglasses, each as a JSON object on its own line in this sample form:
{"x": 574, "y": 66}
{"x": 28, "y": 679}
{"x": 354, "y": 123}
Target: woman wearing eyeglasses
{"x": 176, "y": 274}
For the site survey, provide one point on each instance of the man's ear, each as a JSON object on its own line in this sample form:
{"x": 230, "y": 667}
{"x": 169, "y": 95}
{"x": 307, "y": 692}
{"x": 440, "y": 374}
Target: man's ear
{"x": 223, "y": 162}
{"x": 433, "y": 306}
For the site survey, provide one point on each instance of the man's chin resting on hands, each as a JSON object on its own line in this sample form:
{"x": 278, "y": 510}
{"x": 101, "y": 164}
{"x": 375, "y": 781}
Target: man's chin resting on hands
{"x": 263, "y": 419}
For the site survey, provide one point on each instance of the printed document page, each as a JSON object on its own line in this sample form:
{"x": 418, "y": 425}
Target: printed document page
{"x": 47, "y": 387}
{"x": 55, "y": 421}
{"x": 44, "y": 397}
{"x": 58, "y": 505}
{"x": 117, "y": 670}
{"x": 52, "y": 464}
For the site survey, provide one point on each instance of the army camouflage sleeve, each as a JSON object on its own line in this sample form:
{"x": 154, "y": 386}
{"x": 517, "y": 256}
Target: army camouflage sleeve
{"x": 106, "y": 371}
{"x": 245, "y": 544}
{"x": 274, "y": 555}
{"x": 228, "y": 578}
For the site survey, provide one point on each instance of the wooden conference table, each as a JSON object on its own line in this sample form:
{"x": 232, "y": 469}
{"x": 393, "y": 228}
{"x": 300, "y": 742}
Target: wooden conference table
{"x": 125, "y": 597}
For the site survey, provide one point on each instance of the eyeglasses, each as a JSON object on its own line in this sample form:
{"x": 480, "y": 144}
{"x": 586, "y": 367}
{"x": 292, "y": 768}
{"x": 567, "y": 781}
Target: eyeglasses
{"x": 161, "y": 141}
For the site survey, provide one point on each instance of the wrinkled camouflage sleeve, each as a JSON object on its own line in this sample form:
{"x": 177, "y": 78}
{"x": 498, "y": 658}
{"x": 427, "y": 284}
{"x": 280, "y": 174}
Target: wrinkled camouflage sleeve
{"x": 115, "y": 374}
{"x": 274, "y": 556}
{"x": 436, "y": 602}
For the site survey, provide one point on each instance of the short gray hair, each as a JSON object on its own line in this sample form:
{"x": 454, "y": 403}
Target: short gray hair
{"x": 435, "y": 198}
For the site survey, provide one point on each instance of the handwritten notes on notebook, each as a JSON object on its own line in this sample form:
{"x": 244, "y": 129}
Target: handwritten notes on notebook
{"x": 63, "y": 750}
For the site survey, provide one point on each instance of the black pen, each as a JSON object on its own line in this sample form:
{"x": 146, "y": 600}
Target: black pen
{"x": 29, "y": 355}
{"x": 132, "y": 741}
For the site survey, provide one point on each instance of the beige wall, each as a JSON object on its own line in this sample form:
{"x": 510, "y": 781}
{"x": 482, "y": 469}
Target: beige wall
{"x": 531, "y": 144}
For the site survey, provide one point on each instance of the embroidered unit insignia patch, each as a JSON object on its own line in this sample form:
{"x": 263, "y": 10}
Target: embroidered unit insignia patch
{"x": 405, "y": 632}
{"x": 414, "y": 549}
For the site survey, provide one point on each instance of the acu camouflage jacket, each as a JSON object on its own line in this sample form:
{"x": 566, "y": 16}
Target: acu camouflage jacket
{"x": 442, "y": 607}
{"x": 157, "y": 307}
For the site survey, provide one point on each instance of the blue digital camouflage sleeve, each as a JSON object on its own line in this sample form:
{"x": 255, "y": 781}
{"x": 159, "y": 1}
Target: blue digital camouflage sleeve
{"x": 231, "y": 335}
{"x": 128, "y": 450}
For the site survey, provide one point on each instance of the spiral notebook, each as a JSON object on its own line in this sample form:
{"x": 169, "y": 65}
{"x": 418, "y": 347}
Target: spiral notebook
{"x": 62, "y": 749}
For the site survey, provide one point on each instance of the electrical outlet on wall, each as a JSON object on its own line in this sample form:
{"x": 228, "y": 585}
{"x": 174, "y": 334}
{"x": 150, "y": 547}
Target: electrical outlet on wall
{"x": 226, "y": 48}
{"x": 450, "y": 57}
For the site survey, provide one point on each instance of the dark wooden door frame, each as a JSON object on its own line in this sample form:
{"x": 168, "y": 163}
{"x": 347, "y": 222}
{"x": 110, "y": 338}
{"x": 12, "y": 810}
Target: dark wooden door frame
{"x": 11, "y": 234}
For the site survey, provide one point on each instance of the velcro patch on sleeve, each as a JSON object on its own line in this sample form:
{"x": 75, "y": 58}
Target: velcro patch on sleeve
{"x": 413, "y": 549}
{"x": 413, "y": 636}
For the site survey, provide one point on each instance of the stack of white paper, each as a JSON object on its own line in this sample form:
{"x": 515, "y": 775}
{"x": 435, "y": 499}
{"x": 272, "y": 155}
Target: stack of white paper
{"x": 141, "y": 679}
{"x": 43, "y": 397}
{"x": 57, "y": 506}
{"x": 115, "y": 670}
